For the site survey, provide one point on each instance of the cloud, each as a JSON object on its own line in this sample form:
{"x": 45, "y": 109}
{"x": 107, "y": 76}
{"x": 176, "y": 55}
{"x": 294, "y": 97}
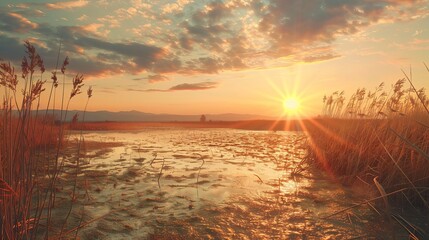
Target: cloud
{"x": 140, "y": 5}
{"x": 11, "y": 48}
{"x": 186, "y": 43}
{"x": 206, "y": 65}
{"x": 28, "y": 12}
{"x": 294, "y": 23}
{"x": 141, "y": 54}
{"x": 183, "y": 87}
{"x": 238, "y": 34}
{"x": 131, "y": 57}
{"x": 320, "y": 57}
{"x": 14, "y": 22}
{"x": 82, "y": 17}
{"x": 67, "y": 5}
{"x": 174, "y": 7}
{"x": 209, "y": 37}
{"x": 167, "y": 65}
{"x": 153, "y": 78}
{"x": 91, "y": 67}
{"x": 95, "y": 29}
{"x": 202, "y": 38}
{"x": 95, "y": 57}
{"x": 216, "y": 12}
{"x": 194, "y": 86}
{"x": 157, "y": 78}
{"x": 111, "y": 21}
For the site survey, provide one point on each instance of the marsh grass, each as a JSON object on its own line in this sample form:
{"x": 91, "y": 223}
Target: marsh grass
{"x": 32, "y": 148}
{"x": 379, "y": 140}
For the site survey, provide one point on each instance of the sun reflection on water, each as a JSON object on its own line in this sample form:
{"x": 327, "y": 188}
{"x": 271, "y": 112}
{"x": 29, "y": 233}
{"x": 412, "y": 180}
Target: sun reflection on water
{"x": 221, "y": 182}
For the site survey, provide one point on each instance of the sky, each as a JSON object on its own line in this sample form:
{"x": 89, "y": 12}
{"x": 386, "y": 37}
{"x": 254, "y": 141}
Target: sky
{"x": 213, "y": 56}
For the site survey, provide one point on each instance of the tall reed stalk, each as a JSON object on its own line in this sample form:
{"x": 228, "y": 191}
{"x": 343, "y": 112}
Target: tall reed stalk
{"x": 32, "y": 148}
{"x": 377, "y": 137}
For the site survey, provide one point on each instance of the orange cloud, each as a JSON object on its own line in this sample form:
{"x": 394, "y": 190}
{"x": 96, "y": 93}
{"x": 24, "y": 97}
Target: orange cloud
{"x": 183, "y": 87}
{"x": 18, "y": 22}
{"x": 67, "y": 5}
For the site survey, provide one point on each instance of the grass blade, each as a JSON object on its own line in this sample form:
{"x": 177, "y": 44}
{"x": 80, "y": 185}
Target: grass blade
{"x": 415, "y": 90}
{"x": 413, "y": 146}
{"x": 402, "y": 171}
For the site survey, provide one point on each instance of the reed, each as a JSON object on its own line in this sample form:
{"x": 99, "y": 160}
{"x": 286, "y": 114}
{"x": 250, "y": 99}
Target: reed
{"x": 31, "y": 148}
{"x": 378, "y": 138}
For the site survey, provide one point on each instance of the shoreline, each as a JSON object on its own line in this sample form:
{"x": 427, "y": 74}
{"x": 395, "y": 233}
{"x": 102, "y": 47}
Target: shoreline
{"x": 257, "y": 125}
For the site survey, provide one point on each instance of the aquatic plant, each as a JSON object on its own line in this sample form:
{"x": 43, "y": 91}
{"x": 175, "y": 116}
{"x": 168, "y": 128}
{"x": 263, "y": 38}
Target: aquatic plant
{"x": 379, "y": 140}
{"x": 32, "y": 145}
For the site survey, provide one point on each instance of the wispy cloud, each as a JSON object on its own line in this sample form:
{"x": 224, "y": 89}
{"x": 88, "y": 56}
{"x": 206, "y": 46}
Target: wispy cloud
{"x": 194, "y": 86}
{"x": 153, "y": 78}
{"x": 183, "y": 87}
{"x": 67, "y": 5}
{"x": 15, "y": 22}
{"x": 320, "y": 57}
{"x": 157, "y": 78}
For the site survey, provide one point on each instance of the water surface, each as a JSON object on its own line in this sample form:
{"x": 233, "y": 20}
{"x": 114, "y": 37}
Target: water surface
{"x": 212, "y": 184}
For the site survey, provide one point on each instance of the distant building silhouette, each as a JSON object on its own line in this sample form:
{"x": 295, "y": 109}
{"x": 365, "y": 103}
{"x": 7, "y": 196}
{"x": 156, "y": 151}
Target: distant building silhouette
{"x": 203, "y": 118}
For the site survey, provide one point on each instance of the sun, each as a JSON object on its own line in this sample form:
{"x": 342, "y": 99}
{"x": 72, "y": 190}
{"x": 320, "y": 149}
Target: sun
{"x": 291, "y": 105}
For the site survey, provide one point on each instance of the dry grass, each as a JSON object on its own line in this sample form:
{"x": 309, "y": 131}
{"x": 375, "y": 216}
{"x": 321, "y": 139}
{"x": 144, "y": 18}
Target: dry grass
{"x": 31, "y": 148}
{"x": 41, "y": 132}
{"x": 380, "y": 139}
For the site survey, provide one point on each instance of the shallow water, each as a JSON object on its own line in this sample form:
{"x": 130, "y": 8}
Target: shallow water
{"x": 212, "y": 184}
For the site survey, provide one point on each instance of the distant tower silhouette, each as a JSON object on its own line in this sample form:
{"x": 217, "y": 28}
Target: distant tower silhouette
{"x": 203, "y": 118}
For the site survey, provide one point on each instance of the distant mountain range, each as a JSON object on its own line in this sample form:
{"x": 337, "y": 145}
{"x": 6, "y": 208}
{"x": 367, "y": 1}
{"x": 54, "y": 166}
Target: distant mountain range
{"x": 136, "y": 116}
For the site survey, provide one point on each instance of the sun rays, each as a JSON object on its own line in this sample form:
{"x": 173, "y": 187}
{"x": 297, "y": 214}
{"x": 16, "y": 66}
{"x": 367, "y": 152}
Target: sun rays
{"x": 291, "y": 104}
{"x": 289, "y": 96}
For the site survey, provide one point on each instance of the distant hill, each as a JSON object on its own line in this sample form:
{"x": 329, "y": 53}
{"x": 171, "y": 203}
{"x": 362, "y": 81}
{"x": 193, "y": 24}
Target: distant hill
{"x": 136, "y": 116}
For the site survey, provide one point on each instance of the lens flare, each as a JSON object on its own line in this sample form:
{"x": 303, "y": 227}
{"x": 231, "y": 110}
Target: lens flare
{"x": 291, "y": 105}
